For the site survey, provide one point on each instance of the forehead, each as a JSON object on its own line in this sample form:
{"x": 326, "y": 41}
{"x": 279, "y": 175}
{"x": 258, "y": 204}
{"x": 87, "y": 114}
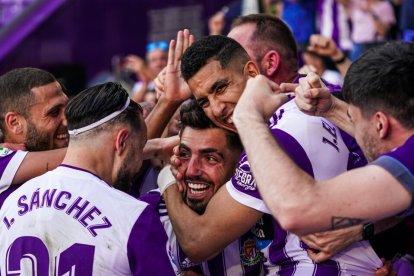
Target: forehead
{"x": 199, "y": 139}
{"x": 51, "y": 93}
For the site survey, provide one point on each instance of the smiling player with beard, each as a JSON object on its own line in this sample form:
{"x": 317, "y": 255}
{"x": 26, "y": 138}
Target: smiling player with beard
{"x": 210, "y": 154}
{"x": 32, "y": 118}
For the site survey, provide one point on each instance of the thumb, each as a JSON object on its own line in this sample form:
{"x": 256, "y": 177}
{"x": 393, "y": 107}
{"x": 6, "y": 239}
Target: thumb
{"x": 313, "y": 80}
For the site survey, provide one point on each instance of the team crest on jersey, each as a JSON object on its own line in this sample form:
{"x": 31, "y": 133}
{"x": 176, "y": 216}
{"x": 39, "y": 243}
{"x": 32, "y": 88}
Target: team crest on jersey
{"x": 5, "y": 152}
{"x": 244, "y": 176}
{"x": 249, "y": 254}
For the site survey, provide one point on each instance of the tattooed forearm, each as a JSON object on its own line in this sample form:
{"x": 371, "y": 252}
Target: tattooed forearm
{"x": 47, "y": 166}
{"x": 340, "y": 222}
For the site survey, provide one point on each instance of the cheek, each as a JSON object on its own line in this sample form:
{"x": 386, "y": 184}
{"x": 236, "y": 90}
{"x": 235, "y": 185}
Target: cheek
{"x": 218, "y": 176}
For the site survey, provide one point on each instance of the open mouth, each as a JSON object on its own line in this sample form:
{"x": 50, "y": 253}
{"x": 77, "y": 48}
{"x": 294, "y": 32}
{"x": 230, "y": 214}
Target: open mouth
{"x": 63, "y": 136}
{"x": 197, "y": 190}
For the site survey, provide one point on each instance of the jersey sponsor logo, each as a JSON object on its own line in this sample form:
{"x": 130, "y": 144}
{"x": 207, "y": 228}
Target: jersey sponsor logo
{"x": 80, "y": 209}
{"x": 243, "y": 175}
{"x": 5, "y": 152}
{"x": 249, "y": 254}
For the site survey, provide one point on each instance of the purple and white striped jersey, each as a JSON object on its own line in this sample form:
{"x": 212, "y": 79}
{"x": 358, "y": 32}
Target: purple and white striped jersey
{"x": 319, "y": 148}
{"x": 10, "y": 162}
{"x": 70, "y": 222}
{"x": 400, "y": 164}
{"x": 241, "y": 257}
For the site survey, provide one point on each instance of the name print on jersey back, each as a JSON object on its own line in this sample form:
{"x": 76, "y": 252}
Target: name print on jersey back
{"x": 88, "y": 215}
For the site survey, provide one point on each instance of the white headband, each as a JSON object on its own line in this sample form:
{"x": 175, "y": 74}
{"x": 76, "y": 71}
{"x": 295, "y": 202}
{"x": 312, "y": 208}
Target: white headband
{"x": 101, "y": 121}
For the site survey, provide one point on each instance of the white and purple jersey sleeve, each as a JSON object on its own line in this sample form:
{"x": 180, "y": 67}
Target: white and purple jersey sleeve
{"x": 400, "y": 163}
{"x": 10, "y": 162}
{"x": 323, "y": 151}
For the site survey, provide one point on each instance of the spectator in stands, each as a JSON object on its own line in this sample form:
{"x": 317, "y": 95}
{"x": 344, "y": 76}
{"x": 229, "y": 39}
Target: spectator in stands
{"x": 371, "y": 21}
{"x": 146, "y": 71}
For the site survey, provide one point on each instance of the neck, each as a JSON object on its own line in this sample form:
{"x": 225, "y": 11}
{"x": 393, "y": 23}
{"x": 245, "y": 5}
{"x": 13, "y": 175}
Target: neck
{"x": 94, "y": 159}
{"x": 398, "y": 134}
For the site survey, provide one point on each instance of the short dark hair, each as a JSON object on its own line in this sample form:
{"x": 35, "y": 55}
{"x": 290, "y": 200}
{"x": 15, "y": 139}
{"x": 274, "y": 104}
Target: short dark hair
{"x": 16, "y": 90}
{"x": 193, "y": 116}
{"x": 215, "y": 47}
{"x": 271, "y": 33}
{"x": 381, "y": 80}
{"x": 97, "y": 102}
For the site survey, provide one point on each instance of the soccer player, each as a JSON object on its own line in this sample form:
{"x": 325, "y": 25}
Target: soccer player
{"x": 71, "y": 220}
{"x": 32, "y": 118}
{"x": 210, "y": 154}
{"x": 379, "y": 113}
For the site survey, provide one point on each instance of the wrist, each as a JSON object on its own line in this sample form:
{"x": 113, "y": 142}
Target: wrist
{"x": 339, "y": 57}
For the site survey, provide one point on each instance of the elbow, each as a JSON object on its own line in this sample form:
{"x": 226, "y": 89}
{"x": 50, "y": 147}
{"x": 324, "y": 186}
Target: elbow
{"x": 293, "y": 219}
{"x": 195, "y": 252}
{"x": 290, "y": 221}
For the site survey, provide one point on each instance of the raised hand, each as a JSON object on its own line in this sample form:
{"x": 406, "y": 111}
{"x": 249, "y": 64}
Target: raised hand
{"x": 312, "y": 96}
{"x": 175, "y": 88}
{"x": 260, "y": 99}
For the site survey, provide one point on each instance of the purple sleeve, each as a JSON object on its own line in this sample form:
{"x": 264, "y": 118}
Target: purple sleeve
{"x": 356, "y": 156}
{"x": 243, "y": 179}
{"x": 147, "y": 252}
{"x": 400, "y": 164}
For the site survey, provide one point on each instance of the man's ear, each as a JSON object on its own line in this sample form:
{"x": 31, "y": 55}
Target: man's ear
{"x": 121, "y": 140}
{"x": 270, "y": 63}
{"x": 14, "y": 123}
{"x": 251, "y": 69}
{"x": 382, "y": 124}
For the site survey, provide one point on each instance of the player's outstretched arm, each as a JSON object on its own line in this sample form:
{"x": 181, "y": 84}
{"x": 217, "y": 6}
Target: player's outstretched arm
{"x": 204, "y": 236}
{"x": 38, "y": 163}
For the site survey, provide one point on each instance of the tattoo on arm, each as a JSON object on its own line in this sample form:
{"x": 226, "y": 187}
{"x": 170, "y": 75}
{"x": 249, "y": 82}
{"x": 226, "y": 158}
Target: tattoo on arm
{"x": 340, "y": 222}
{"x": 47, "y": 166}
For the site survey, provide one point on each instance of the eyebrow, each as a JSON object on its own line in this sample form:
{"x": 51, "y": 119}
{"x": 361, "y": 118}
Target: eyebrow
{"x": 218, "y": 83}
{"x": 184, "y": 146}
{"x": 212, "y": 150}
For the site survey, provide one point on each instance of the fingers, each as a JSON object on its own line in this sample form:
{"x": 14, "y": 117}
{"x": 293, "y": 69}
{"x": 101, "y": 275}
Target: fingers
{"x": 318, "y": 257}
{"x": 171, "y": 52}
{"x": 192, "y": 39}
{"x": 159, "y": 81}
{"x": 180, "y": 46}
{"x": 288, "y": 87}
{"x": 186, "y": 42}
{"x": 314, "y": 80}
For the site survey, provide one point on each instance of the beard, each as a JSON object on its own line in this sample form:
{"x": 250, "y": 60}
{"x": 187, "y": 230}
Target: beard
{"x": 36, "y": 140}
{"x": 198, "y": 205}
{"x": 124, "y": 177}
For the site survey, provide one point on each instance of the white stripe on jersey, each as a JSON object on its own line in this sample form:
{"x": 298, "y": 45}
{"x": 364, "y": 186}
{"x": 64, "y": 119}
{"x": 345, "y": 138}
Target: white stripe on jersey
{"x": 11, "y": 169}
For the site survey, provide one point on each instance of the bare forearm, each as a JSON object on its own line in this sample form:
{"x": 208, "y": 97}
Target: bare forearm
{"x": 188, "y": 227}
{"x": 38, "y": 163}
{"x": 159, "y": 117}
{"x": 338, "y": 116}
